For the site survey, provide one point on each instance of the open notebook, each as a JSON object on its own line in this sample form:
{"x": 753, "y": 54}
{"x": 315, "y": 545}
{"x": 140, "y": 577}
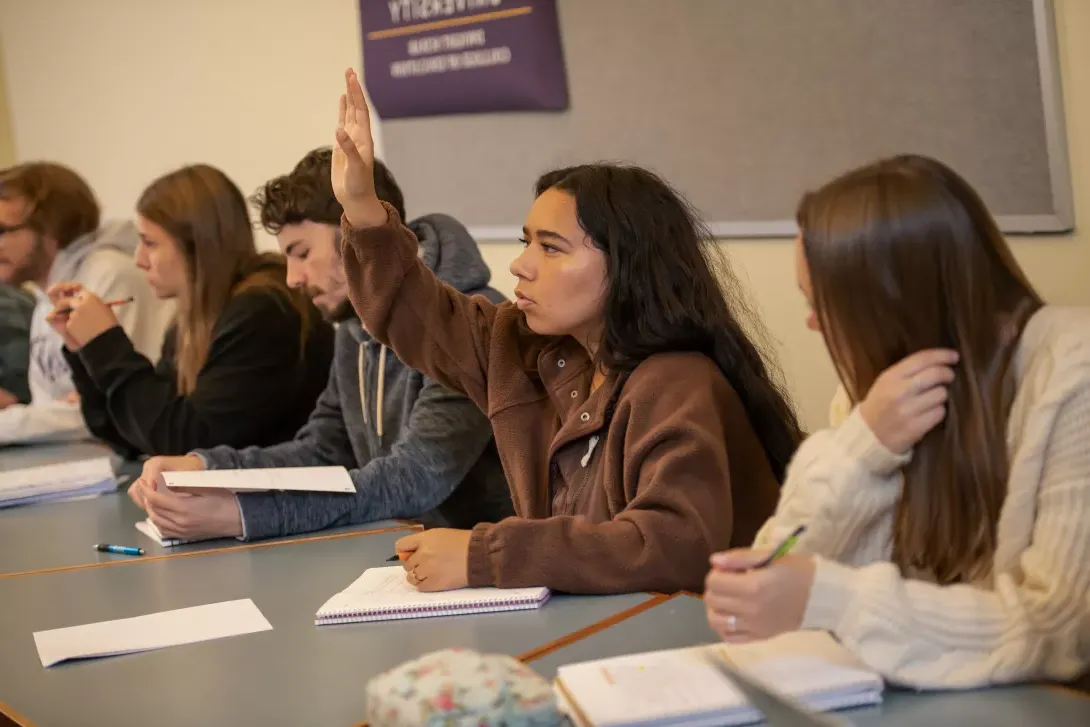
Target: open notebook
{"x": 49, "y": 483}
{"x": 682, "y": 687}
{"x": 382, "y": 594}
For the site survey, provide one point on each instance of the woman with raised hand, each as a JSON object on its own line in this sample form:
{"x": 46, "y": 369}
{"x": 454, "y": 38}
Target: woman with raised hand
{"x": 948, "y": 517}
{"x": 639, "y": 427}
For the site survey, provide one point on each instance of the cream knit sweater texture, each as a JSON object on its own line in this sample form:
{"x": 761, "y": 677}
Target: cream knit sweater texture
{"x": 1030, "y": 617}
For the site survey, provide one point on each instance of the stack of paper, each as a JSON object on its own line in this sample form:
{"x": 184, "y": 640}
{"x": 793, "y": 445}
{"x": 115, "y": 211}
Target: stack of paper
{"x": 57, "y": 482}
{"x": 684, "y": 687}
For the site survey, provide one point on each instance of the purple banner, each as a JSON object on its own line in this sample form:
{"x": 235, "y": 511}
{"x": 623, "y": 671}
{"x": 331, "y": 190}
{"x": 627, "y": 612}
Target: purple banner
{"x": 435, "y": 57}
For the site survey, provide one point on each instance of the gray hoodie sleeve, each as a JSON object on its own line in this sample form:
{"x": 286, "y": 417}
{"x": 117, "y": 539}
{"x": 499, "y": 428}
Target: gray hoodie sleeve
{"x": 322, "y": 441}
{"x": 445, "y": 436}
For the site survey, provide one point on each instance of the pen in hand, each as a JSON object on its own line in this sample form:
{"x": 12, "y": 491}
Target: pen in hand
{"x": 110, "y": 303}
{"x": 783, "y": 548}
{"x": 397, "y": 558}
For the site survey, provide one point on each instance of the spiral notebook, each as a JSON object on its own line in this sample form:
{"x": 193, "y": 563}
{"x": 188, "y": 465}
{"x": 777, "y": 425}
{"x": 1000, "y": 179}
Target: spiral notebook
{"x": 685, "y": 687}
{"x": 383, "y": 594}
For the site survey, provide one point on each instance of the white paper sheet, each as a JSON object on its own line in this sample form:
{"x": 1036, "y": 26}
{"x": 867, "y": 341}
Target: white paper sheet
{"x": 154, "y": 631}
{"x": 300, "y": 479}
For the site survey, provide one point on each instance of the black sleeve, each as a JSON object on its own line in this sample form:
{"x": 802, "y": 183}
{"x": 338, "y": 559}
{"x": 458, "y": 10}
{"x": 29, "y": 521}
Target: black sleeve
{"x": 92, "y": 404}
{"x": 251, "y": 379}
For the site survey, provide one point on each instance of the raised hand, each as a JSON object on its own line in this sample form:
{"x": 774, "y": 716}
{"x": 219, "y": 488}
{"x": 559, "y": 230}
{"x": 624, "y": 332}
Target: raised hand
{"x": 353, "y": 165}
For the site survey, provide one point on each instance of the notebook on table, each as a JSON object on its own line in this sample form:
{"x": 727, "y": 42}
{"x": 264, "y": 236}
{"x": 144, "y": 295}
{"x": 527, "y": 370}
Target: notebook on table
{"x": 55, "y": 482}
{"x": 383, "y": 594}
{"x": 150, "y": 529}
{"x": 687, "y": 687}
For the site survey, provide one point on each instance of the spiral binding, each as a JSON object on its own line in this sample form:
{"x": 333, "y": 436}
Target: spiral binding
{"x": 442, "y": 608}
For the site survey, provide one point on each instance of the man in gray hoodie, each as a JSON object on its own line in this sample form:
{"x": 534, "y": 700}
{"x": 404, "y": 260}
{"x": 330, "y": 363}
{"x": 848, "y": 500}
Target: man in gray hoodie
{"x": 50, "y": 232}
{"x": 413, "y": 448}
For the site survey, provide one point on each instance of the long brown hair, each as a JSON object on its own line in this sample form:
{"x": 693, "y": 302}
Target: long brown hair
{"x": 904, "y": 256}
{"x": 206, "y": 216}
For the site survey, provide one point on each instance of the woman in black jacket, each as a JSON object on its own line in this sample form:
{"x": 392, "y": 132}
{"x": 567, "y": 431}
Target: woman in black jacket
{"x": 247, "y": 356}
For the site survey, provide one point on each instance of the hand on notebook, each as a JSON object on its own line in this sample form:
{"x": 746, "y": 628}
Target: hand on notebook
{"x": 154, "y": 467}
{"x": 7, "y": 399}
{"x": 437, "y": 560}
{"x": 189, "y": 514}
{"x": 747, "y": 605}
{"x": 198, "y": 515}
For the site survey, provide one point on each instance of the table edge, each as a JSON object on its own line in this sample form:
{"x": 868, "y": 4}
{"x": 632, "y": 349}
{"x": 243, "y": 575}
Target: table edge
{"x": 211, "y": 551}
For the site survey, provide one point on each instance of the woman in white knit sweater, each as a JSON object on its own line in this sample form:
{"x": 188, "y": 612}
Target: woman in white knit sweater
{"x": 948, "y": 517}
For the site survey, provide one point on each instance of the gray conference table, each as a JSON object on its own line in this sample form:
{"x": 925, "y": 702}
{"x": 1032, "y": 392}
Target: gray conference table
{"x": 680, "y": 622}
{"x": 296, "y": 674}
{"x": 50, "y": 536}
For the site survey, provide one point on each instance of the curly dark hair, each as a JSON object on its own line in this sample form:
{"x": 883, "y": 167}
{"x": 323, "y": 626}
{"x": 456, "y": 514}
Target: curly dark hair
{"x": 306, "y": 194}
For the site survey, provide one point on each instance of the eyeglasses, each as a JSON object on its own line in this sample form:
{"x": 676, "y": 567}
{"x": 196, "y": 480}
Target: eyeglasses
{"x": 5, "y": 229}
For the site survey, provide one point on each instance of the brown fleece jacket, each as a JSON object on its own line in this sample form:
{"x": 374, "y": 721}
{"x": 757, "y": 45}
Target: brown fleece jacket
{"x": 628, "y": 488}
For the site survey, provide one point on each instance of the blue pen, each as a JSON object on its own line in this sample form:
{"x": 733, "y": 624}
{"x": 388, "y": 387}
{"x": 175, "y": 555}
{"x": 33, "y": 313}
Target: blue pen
{"x": 119, "y": 549}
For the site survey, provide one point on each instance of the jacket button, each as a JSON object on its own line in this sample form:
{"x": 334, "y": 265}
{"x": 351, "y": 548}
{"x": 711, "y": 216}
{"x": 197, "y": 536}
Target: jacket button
{"x": 584, "y": 417}
{"x": 561, "y": 363}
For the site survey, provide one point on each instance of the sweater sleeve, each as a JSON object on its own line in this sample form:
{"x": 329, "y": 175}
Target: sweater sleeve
{"x": 432, "y": 327}
{"x": 445, "y": 435}
{"x": 842, "y": 485}
{"x": 1030, "y": 624}
{"x": 678, "y": 512}
{"x": 92, "y": 405}
{"x": 250, "y": 379}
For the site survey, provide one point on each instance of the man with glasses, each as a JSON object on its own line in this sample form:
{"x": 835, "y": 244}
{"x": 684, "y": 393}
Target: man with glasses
{"x": 50, "y": 233}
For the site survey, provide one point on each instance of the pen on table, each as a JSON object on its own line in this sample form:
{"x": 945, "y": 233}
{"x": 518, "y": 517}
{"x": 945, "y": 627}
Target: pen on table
{"x": 118, "y": 549}
{"x": 110, "y": 303}
{"x": 783, "y": 548}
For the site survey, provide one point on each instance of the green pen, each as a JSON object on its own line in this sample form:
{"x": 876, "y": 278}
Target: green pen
{"x": 783, "y": 548}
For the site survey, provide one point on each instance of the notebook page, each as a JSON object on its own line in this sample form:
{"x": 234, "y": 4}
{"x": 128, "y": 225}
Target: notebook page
{"x": 385, "y": 587}
{"x": 154, "y": 631}
{"x": 297, "y": 479}
{"x": 680, "y": 686}
{"x": 650, "y": 688}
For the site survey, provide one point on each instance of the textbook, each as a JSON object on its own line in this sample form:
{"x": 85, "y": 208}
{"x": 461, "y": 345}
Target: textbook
{"x": 685, "y": 687}
{"x": 383, "y": 594}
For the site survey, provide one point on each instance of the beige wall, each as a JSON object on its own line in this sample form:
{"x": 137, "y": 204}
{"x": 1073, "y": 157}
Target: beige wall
{"x": 1059, "y": 266}
{"x": 7, "y": 142}
{"x": 250, "y": 85}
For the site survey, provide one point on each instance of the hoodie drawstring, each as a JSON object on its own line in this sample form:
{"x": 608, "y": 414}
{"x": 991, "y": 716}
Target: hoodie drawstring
{"x": 381, "y": 386}
{"x": 361, "y": 370}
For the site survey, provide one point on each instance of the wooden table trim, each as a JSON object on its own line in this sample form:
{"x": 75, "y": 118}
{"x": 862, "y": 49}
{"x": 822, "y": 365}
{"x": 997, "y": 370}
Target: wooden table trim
{"x": 8, "y": 716}
{"x": 211, "y": 551}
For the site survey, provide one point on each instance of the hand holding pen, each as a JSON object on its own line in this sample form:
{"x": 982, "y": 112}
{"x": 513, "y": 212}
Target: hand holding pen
{"x": 80, "y": 316}
{"x": 756, "y": 594}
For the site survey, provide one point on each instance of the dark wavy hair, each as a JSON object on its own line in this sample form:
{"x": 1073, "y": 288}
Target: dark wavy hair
{"x": 670, "y": 288}
{"x": 306, "y": 194}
